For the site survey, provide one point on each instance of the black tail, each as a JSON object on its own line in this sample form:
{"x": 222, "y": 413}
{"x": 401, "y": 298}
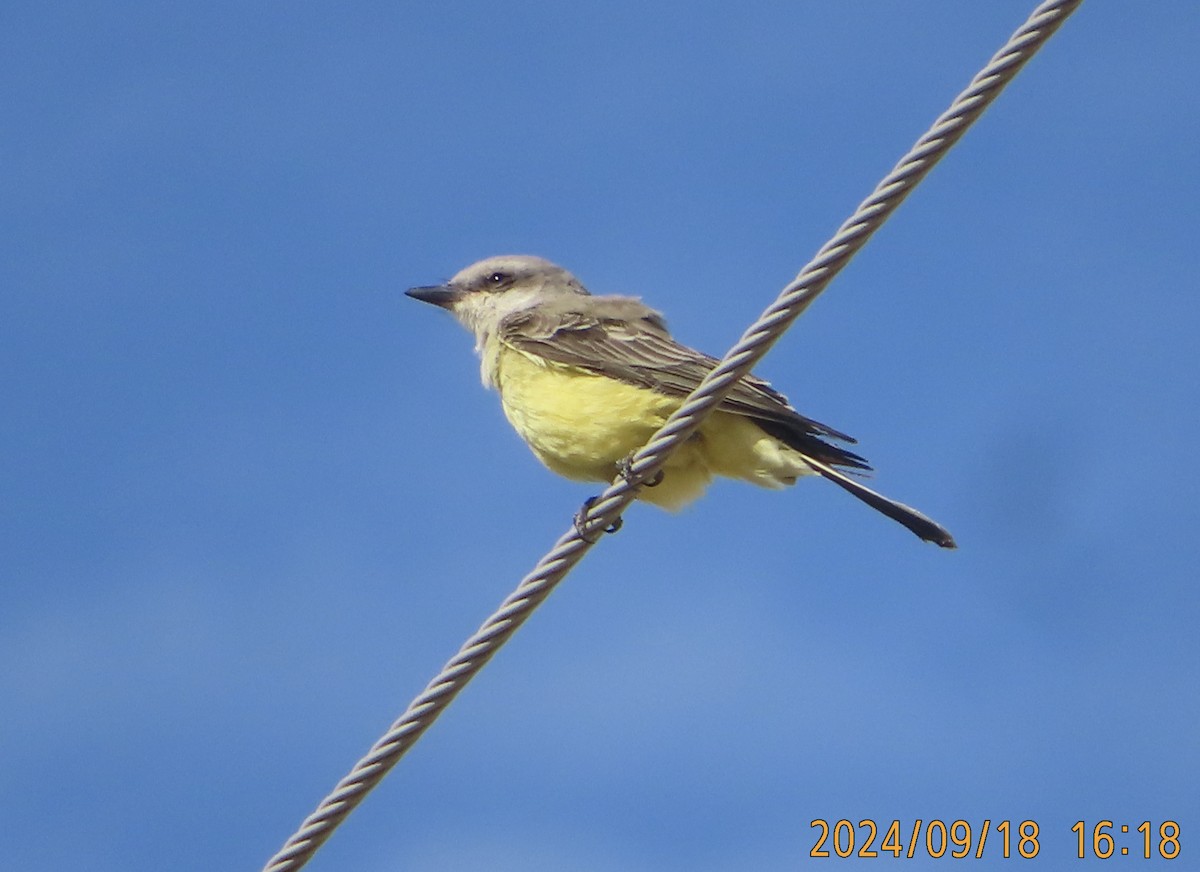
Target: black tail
{"x": 926, "y": 528}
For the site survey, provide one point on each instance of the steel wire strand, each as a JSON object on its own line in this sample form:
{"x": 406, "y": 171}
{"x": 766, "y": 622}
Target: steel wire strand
{"x": 607, "y": 508}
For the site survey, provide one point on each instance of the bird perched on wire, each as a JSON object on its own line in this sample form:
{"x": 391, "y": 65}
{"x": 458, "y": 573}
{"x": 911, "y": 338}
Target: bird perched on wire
{"x": 587, "y": 380}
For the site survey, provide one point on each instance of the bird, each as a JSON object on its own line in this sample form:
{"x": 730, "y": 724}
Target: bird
{"x": 586, "y": 380}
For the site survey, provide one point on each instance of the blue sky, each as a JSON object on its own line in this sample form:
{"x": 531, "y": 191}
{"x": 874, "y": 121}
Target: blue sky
{"x": 253, "y": 497}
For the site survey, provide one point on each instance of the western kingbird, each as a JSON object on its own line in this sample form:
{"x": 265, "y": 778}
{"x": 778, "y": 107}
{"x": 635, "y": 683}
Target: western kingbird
{"x": 587, "y": 380}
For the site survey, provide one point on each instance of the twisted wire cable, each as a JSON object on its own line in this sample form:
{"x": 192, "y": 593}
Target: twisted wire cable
{"x": 607, "y": 508}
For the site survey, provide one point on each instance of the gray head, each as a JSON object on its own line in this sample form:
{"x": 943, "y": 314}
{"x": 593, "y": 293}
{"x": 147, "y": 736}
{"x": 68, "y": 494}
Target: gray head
{"x": 483, "y": 293}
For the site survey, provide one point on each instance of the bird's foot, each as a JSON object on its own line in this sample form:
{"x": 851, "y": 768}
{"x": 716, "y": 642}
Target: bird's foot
{"x": 625, "y": 470}
{"x": 581, "y": 522}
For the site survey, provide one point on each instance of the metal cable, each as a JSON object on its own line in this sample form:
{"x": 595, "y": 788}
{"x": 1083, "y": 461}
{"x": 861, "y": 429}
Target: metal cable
{"x": 607, "y": 508}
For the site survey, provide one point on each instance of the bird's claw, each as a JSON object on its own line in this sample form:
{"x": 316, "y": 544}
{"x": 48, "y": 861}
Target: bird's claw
{"x": 625, "y": 470}
{"x": 581, "y": 522}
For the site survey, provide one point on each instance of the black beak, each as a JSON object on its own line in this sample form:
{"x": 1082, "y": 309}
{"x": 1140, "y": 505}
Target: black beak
{"x": 439, "y": 295}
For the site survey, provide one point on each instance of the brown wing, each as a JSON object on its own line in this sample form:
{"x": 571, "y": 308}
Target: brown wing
{"x": 621, "y": 338}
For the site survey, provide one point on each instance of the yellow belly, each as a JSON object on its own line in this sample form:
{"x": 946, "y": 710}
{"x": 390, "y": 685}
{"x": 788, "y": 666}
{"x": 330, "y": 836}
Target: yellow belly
{"x": 581, "y": 425}
{"x": 578, "y": 424}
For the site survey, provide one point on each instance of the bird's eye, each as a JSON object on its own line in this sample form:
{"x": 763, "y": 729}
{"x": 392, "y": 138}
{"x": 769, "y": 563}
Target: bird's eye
{"x": 497, "y": 279}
